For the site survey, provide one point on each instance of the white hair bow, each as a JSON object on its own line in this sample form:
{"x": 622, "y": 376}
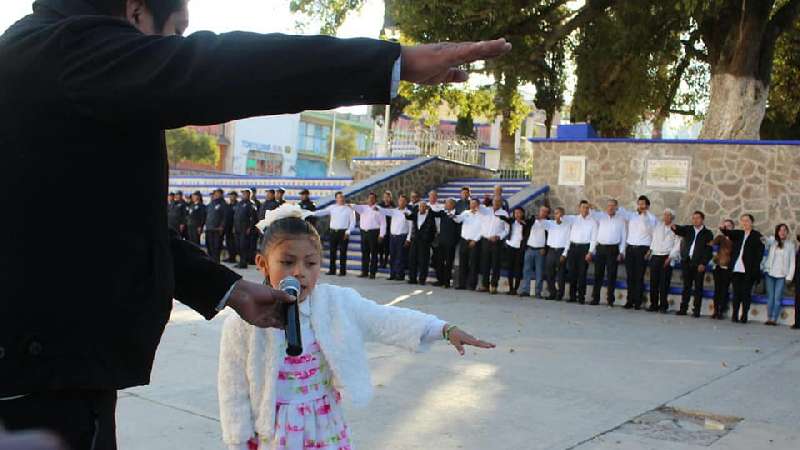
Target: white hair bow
{"x": 282, "y": 212}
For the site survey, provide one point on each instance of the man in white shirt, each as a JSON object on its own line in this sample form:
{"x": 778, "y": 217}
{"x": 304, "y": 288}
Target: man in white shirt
{"x": 493, "y": 231}
{"x": 469, "y": 253}
{"x": 343, "y": 221}
{"x": 640, "y": 235}
{"x": 535, "y": 253}
{"x": 664, "y": 249}
{"x": 582, "y": 235}
{"x": 372, "y": 223}
{"x": 555, "y": 263}
{"x": 400, "y": 238}
{"x": 608, "y": 250}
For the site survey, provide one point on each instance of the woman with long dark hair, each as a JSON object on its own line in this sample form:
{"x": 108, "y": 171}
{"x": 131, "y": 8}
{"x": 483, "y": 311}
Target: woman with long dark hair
{"x": 779, "y": 270}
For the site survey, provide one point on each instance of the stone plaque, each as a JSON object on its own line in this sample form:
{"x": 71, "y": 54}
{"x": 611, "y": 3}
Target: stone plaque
{"x": 572, "y": 171}
{"x": 668, "y": 174}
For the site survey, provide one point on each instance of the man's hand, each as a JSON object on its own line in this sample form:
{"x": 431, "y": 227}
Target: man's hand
{"x": 701, "y": 268}
{"x": 621, "y": 257}
{"x": 438, "y": 63}
{"x": 471, "y": 243}
{"x": 667, "y": 260}
{"x": 563, "y": 259}
{"x": 543, "y": 252}
{"x": 588, "y": 257}
{"x": 259, "y": 304}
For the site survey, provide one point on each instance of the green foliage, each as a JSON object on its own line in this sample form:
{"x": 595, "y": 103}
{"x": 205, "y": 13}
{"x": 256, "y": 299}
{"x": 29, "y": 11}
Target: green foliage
{"x": 346, "y": 147}
{"x": 186, "y": 144}
{"x": 782, "y": 119}
{"x": 551, "y": 84}
{"x": 625, "y": 65}
{"x": 331, "y": 13}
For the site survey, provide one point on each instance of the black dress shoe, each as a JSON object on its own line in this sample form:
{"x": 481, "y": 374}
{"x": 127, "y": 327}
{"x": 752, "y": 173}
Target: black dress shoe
{"x": 342, "y": 274}
{"x": 372, "y": 276}
{"x": 436, "y": 283}
{"x": 796, "y": 326}
{"x": 628, "y": 306}
{"x": 330, "y": 272}
{"x": 551, "y": 297}
{"x": 652, "y": 309}
{"x": 696, "y": 314}
{"x": 412, "y": 281}
{"x": 735, "y": 319}
{"x": 582, "y": 302}
{"x": 680, "y": 313}
{"x": 460, "y": 288}
{"x": 664, "y": 310}
{"x": 594, "y": 302}
{"x": 363, "y": 275}
{"x": 637, "y": 308}
{"x": 391, "y": 277}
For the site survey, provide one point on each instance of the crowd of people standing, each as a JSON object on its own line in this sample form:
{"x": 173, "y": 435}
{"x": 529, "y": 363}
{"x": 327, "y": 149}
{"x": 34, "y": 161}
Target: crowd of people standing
{"x": 411, "y": 237}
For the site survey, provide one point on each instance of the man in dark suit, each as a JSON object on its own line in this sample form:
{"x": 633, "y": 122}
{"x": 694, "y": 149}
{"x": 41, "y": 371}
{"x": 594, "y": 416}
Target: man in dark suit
{"x": 423, "y": 232}
{"x": 244, "y": 220}
{"x": 449, "y": 235}
{"x": 197, "y": 218}
{"x": 748, "y": 251}
{"x": 216, "y": 216}
{"x": 230, "y": 239}
{"x": 695, "y": 256}
{"x": 113, "y": 74}
{"x": 462, "y": 204}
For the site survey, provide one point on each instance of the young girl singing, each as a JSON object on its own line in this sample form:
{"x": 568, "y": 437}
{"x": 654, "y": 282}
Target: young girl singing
{"x": 269, "y": 400}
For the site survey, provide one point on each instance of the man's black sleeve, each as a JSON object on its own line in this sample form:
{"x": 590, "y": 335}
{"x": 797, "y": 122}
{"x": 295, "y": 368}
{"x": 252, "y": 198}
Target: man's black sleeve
{"x": 112, "y": 72}
{"x": 199, "y": 282}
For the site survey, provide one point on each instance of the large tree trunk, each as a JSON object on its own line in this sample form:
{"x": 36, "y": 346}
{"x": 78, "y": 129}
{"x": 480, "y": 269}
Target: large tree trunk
{"x": 658, "y": 126}
{"x": 508, "y": 155}
{"x": 548, "y": 124}
{"x": 736, "y": 107}
{"x": 740, "y": 38}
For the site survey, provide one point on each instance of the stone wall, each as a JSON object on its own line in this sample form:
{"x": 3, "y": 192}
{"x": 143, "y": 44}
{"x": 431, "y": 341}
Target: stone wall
{"x": 420, "y": 174}
{"x": 725, "y": 179}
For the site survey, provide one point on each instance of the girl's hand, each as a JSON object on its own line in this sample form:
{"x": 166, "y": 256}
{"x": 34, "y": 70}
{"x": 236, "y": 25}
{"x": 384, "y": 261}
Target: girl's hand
{"x": 459, "y": 339}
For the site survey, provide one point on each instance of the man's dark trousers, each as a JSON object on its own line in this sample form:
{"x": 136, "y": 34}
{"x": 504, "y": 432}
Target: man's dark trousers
{"x": 83, "y": 419}
{"x": 447, "y": 253}
{"x": 469, "y": 259}
{"x": 338, "y": 248}
{"x": 660, "y": 280}
{"x": 369, "y": 252}
{"x": 577, "y": 267}
{"x": 692, "y": 284}
{"x": 606, "y": 257}
{"x": 554, "y": 273}
{"x": 491, "y": 253}
{"x": 635, "y": 267}
{"x": 214, "y": 244}
{"x": 230, "y": 244}
{"x": 244, "y": 249}
{"x": 399, "y": 255}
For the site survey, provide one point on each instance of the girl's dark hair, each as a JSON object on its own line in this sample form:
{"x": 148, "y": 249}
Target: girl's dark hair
{"x": 288, "y": 228}
{"x": 161, "y": 9}
{"x": 777, "y": 237}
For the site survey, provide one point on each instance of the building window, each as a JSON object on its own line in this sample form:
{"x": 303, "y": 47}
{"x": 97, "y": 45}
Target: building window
{"x": 313, "y": 138}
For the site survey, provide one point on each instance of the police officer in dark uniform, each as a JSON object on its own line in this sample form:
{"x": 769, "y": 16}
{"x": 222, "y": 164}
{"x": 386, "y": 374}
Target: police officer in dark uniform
{"x": 244, "y": 221}
{"x": 257, "y": 206}
{"x": 176, "y": 214}
{"x": 230, "y": 238}
{"x": 216, "y": 213}
{"x": 279, "y": 193}
{"x": 254, "y": 198}
{"x": 197, "y": 217}
{"x": 269, "y": 204}
{"x": 305, "y": 201}
{"x": 170, "y": 198}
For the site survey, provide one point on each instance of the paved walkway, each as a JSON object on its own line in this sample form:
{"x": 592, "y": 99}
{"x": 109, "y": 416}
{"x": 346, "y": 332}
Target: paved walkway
{"x": 563, "y": 376}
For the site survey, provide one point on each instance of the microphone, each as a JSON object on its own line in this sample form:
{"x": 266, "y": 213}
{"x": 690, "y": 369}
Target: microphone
{"x": 294, "y": 343}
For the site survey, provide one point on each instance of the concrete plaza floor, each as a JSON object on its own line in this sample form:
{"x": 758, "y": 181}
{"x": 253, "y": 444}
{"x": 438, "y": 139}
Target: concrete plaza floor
{"x": 563, "y": 376}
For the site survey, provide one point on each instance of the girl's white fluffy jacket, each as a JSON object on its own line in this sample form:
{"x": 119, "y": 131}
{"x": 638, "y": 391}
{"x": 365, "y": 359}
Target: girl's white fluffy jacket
{"x": 342, "y": 321}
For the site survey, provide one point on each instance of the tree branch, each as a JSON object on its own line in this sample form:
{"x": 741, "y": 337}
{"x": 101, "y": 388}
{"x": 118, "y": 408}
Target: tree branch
{"x": 780, "y": 22}
{"x": 592, "y": 9}
{"x": 682, "y": 112}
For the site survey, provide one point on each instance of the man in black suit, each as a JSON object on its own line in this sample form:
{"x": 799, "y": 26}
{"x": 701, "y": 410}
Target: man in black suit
{"x": 748, "y": 251}
{"x": 462, "y": 204}
{"x": 449, "y": 235}
{"x": 423, "y": 232}
{"x": 113, "y": 74}
{"x": 696, "y": 252}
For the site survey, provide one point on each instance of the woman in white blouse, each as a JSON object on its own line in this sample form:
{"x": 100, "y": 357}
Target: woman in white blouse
{"x": 779, "y": 270}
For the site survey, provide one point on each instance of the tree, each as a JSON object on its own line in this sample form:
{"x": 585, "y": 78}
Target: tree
{"x": 346, "y": 148}
{"x": 740, "y": 37}
{"x": 630, "y": 64}
{"x": 782, "y": 119}
{"x": 186, "y": 144}
{"x": 533, "y": 26}
{"x": 550, "y": 86}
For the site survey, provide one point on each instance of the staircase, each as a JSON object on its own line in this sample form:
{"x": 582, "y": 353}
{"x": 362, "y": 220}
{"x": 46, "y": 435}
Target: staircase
{"x": 318, "y": 187}
{"x": 452, "y": 189}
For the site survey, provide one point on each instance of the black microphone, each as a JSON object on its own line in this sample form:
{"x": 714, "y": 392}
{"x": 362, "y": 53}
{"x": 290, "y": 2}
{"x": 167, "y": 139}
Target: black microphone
{"x": 294, "y": 343}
